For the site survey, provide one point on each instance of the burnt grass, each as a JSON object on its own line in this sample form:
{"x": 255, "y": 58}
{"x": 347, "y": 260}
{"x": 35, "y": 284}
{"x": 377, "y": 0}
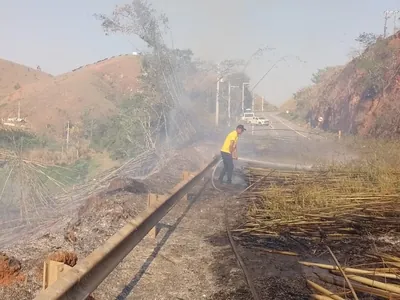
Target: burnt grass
{"x": 274, "y": 276}
{"x": 278, "y": 276}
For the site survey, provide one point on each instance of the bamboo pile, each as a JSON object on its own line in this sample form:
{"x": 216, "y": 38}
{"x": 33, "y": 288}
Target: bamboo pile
{"x": 380, "y": 279}
{"x": 326, "y": 205}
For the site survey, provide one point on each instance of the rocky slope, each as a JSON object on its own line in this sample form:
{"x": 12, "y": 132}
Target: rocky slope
{"x": 361, "y": 97}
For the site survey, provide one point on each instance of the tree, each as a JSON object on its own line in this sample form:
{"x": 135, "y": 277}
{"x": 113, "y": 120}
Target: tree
{"x": 380, "y": 66}
{"x": 317, "y": 77}
{"x": 364, "y": 40}
{"x": 367, "y": 39}
{"x": 163, "y": 68}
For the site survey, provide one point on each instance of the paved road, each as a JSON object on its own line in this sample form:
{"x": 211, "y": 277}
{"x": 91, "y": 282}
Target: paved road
{"x": 287, "y": 143}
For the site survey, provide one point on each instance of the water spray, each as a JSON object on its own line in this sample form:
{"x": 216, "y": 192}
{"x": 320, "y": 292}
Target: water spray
{"x": 276, "y": 165}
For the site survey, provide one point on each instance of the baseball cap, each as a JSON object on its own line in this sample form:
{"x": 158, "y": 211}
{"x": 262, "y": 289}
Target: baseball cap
{"x": 241, "y": 127}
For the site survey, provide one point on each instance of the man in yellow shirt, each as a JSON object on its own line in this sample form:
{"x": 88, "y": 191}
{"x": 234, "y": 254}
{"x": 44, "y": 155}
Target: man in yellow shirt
{"x": 229, "y": 153}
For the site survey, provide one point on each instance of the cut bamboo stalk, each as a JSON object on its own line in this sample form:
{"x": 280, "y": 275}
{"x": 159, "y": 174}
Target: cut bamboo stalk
{"x": 384, "y": 270}
{"x": 394, "y": 288}
{"x": 323, "y": 290}
{"x": 276, "y": 251}
{"x": 342, "y": 272}
{"x": 369, "y": 273}
{"x": 349, "y": 270}
{"x": 396, "y": 264}
{"x": 389, "y": 257}
{"x": 359, "y": 287}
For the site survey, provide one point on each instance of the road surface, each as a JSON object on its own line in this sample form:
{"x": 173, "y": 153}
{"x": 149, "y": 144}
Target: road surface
{"x": 287, "y": 143}
{"x": 192, "y": 258}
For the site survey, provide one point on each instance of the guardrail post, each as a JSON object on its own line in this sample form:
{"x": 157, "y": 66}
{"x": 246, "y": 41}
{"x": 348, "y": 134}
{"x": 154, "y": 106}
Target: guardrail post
{"x": 185, "y": 177}
{"x": 79, "y": 282}
{"x": 152, "y": 200}
{"x": 52, "y": 270}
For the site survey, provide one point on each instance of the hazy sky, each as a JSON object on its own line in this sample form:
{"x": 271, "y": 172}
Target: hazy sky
{"x": 60, "y": 35}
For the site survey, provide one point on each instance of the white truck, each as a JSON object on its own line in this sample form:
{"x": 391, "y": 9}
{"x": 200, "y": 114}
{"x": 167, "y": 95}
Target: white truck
{"x": 247, "y": 117}
{"x": 259, "y": 121}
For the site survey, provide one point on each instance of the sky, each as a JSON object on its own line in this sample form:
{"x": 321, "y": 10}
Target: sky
{"x": 62, "y": 35}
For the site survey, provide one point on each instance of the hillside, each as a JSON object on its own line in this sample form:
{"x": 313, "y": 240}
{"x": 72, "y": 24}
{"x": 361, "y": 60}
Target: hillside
{"x": 14, "y": 76}
{"x": 93, "y": 89}
{"x": 362, "y": 97}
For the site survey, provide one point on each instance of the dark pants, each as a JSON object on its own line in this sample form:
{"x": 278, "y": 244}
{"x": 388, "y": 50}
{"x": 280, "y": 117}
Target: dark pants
{"x": 228, "y": 167}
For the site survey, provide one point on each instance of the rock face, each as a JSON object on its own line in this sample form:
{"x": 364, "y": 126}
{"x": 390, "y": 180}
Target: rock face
{"x": 362, "y": 97}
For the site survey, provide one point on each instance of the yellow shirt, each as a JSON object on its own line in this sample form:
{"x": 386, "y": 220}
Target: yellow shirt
{"x": 233, "y": 136}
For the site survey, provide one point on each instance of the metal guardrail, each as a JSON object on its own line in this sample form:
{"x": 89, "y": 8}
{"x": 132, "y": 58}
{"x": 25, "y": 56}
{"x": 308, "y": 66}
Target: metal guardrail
{"x": 81, "y": 280}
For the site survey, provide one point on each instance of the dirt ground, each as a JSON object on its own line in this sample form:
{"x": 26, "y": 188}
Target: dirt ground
{"x": 191, "y": 257}
{"x": 83, "y": 230}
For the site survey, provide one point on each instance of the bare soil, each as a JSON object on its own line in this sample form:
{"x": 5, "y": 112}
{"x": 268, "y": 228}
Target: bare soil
{"x": 10, "y": 270}
{"x": 14, "y": 76}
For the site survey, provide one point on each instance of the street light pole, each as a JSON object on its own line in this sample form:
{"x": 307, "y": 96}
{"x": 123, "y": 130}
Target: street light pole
{"x": 262, "y": 104}
{"x": 229, "y": 103}
{"x": 243, "y": 84}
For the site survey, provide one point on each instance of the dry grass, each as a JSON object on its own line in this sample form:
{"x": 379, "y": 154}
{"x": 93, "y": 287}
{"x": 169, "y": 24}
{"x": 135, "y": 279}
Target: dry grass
{"x": 332, "y": 202}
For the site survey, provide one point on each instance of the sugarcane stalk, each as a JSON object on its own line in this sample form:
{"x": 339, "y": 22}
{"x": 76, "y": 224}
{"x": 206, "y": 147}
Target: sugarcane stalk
{"x": 323, "y": 290}
{"x": 349, "y": 270}
{"x": 394, "y": 288}
{"x": 342, "y": 272}
{"x": 334, "y": 280}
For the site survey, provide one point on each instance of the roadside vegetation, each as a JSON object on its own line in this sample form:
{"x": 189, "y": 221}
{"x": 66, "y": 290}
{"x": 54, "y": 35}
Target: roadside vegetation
{"x": 174, "y": 106}
{"x": 360, "y": 98}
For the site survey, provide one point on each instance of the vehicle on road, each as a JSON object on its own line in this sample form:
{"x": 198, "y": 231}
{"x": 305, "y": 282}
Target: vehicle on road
{"x": 247, "y": 116}
{"x": 259, "y": 121}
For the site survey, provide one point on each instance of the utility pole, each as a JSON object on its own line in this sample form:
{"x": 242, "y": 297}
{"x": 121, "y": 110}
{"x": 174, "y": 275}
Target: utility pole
{"x": 217, "y": 104}
{"x": 229, "y": 100}
{"x": 385, "y": 24}
{"x": 262, "y": 104}
{"x": 252, "y": 102}
{"x": 387, "y": 15}
{"x": 229, "y": 103}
